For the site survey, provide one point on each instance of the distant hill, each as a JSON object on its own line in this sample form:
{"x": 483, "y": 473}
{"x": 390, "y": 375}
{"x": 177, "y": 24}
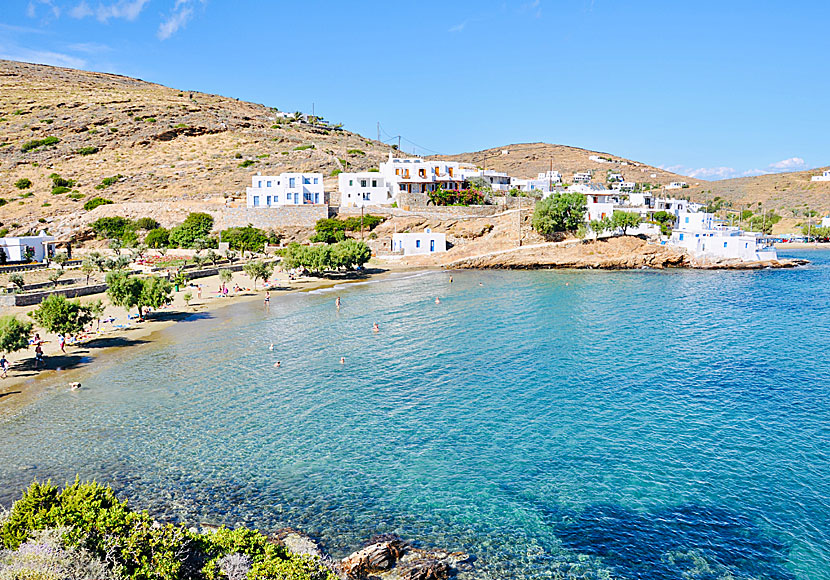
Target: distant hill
{"x": 783, "y": 192}
{"x": 166, "y": 144}
{"x": 529, "y": 159}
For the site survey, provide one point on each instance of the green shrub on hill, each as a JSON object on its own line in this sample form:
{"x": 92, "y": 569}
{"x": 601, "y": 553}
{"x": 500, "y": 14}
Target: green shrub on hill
{"x": 333, "y": 230}
{"x": 87, "y": 150}
{"x": 157, "y": 238}
{"x": 247, "y": 163}
{"x": 195, "y": 227}
{"x": 111, "y": 228}
{"x": 107, "y": 181}
{"x": 23, "y": 183}
{"x": 91, "y": 204}
{"x": 248, "y": 238}
{"x": 37, "y": 143}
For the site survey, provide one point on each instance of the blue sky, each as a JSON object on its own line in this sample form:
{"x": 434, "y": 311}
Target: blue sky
{"x": 707, "y": 88}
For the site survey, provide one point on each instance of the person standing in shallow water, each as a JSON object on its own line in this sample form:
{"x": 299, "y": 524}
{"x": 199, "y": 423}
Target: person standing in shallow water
{"x": 267, "y": 300}
{"x": 337, "y": 302}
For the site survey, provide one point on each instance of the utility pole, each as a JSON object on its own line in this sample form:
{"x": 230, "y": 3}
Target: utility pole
{"x": 378, "y": 130}
{"x": 399, "y": 142}
{"x": 520, "y": 221}
{"x": 361, "y": 222}
{"x": 550, "y": 177}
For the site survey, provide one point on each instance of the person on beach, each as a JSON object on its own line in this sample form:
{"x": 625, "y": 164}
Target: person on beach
{"x": 4, "y": 366}
{"x": 36, "y": 339}
{"x": 62, "y": 343}
{"x": 199, "y": 291}
{"x": 375, "y": 327}
{"x": 39, "y": 356}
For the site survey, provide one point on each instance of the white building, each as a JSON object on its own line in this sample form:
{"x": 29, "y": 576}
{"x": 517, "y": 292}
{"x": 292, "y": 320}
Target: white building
{"x": 531, "y": 185}
{"x": 615, "y": 177}
{"x": 823, "y": 177}
{"x": 582, "y": 177}
{"x": 362, "y": 189}
{"x": 15, "y": 248}
{"x": 706, "y": 237}
{"x": 425, "y": 242}
{"x": 552, "y": 176}
{"x": 598, "y": 159}
{"x": 825, "y": 222}
{"x": 415, "y": 175}
{"x": 600, "y": 201}
{"x": 496, "y": 180}
{"x": 677, "y": 185}
{"x": 626, "y": 186}
{"x": 286, "y": 189}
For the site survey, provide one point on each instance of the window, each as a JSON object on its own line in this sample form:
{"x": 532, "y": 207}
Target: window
{"x": 432, "y": 245}
{"x": 316, "y": 196}
{"x": 422, "y": 173}
{"x": 276, "y": 199}
{"x": 307, "y": 197}
{"x": 681, "y": 237}
{"x": 259, "y": 184}
{"x": 256, "y": 200}
{"x": 374, "y": 183}
{"x": 417, "y": 243}
{"x": 687, "y": 220}
{"x": 351, "y": 182}
{"x": 315, "y": 179}
{"x": 292, "y": 184}
{"x": 268, "y": 200}
{"x": 306, "y": 181}
{"x": 267, "y": 184}
{"x": 366, "y": 197}
{"x": 296, "y": 198}
{"x": 362, "y": 183}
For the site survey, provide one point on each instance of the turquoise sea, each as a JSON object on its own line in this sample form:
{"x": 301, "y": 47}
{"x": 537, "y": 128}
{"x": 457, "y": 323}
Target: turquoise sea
{"x": 664, "y": 425}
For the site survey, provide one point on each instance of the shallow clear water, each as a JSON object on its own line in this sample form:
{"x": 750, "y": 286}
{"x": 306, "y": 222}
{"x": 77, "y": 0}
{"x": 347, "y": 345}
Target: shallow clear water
{"x": 552, "y": 423}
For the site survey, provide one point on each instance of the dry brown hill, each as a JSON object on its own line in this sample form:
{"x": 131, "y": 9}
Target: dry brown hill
{"x": 529, "y": 159}
{"x": 167, "y": 144}
{"x": 787, "y": 193}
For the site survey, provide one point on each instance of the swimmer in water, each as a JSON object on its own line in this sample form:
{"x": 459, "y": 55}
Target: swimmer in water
{"x": 342, "y": 360}
{"x": 271, "y": 347}
{"x": 437, "y": 300}
{"x": 277, "y": 365}
{"x": 450, "y": 279}
{"x": 375, "y": 327}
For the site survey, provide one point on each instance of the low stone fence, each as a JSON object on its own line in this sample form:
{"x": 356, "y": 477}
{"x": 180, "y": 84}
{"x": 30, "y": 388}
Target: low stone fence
{"x": 268, "y": 218}
{"x": 33, "y": 298}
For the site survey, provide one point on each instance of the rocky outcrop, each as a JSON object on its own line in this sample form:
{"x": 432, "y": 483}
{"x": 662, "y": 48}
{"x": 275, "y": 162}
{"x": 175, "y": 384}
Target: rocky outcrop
{"x": 376, "y": 557}
{"x": 390, "y": 558}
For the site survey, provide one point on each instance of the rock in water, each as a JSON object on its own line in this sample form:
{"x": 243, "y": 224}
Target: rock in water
{"x": 424, "y": 570}
{"x": 297, "y": 543}
{"x": 376, "y": 557}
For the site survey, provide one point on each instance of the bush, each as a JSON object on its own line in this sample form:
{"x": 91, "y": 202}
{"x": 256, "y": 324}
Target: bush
{"x": 336, "y": 172}
{"x": 304, "y": 147}
{"x": 58, "y": 190}
{"x": 95, "y": 202}
{"x": 87, "y": 150}
{"x": 14, "y": 334}
{"x": 23, "y": 183}
{"x": 334, "y": 230}
{"x": 46, "y": 141}
{"x": 145, "y": 223}
{"x": 355, "y": 152}
{"x": 247, "y": 163}
{"x": 107, "y": 181}
{"x": 3, "y": 202}
{"x": 559, "y": 212}
{"x": 345, "y": 254}
{"x": 58, "y": 181}
{"x": 75, "y": 195}
{"x": 157, "y": 238}
{"x": 57, "y": 314}
{"x": 112, "y": 228}
{"x": 452, "y": 197}
{"x": 196, "y": 226}
{"x": 248, "y": 238}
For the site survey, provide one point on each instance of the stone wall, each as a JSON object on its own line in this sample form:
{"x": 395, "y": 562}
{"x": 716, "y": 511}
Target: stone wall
{"x": 269, "y": 218}
{"x": 38, "y": 297}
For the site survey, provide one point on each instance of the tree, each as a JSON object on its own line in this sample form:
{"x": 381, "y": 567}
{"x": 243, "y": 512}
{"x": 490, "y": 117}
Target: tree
{"x": 225, "y": 276}
{"x": 118, "y": 263}
{"x": 92, "y": 263}
{"x": 14, "y": 334}
{"x": 665, "y": 220}
{"x": 559, "y": 212}
{"x": 18, "y": 281}
{"x": 599, "y": 226}
{"x": 54, "y": 276}
{"x": 197, "y": 225}
{"x": 624, "y": 220}
{"x": 123, "y": 290}
{"x": 231, "y": 255}
{"x": 187, "y": 297}
{"x": 57, "y": 314}
{"x": 258, "y": 270}
{"x": 155, "y": 293}
{"x": 116, "y": 246}
{"x": 350, "y": 254}
{"x": 60, "y": 258}
{"x": 112, "y": 228}
{"x": 157, "y": 238}
{"x": 213, "y": 257}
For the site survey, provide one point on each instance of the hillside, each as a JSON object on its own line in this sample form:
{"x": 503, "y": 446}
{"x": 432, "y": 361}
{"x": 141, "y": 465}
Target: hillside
{"x": 529, "y": 159}
{"x": 783, "y": 192}
{"x": 166, "y": 144}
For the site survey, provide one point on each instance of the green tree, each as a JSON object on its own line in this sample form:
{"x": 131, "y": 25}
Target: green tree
{"x": 155, "y": 293}
{"x": 225, "y": 276}
{"x": 112, "y": 228}
{"x": 54, "y": 276}
{"x": 157, "y": 238}
{"x": 197, "y": 225}
{"x": 14, "y": 334}
{"x": 599, "y": 226}
{"x": 187, "y": 297}
{"x": 61, "y": 259}
{"x": 665, "y": 220}
{"x": 623, "y": 220}
{"x": 123, "y": 290}
{"x": 559, "y": 212}
{"x": 18, "y": 281}
{"x": 57, "y": 314}
{"x": 350, "y": 254}
{"x": 258, "y": 270}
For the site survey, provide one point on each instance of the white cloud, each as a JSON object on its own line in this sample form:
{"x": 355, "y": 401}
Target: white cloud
{"x": 31, "y": 8}
{"x": 89, "y": 47}
{"x": 458, "y": 27}
{"x": 791, "y": 164}
{"x": 182, "y": 12}
{"x": 82, "y": 10}
{"x": 42, "y": 57}
{"x": 126, "y": 9}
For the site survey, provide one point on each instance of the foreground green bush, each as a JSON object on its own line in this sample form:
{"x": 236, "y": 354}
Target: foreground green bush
{"x": 91, "y": 520}
{"x": 91, "y": 204}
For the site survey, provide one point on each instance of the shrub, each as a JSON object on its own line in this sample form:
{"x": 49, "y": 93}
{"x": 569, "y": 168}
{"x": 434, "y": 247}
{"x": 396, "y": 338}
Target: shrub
{"x": 559, "y": 212}
{"x": 248, "y": 238}
{"x": 14, "y": 334}
{"x": 45, "y": 142}
{"x": 145, "y": 223}
{"x": 3, "y": 202}
{"x": 196, "y": 226}
{"x": 334, "y": 230}
{"x": 58, "y": 181}
{"x": 453, "y": 197}
{"x": 23, "y": 183}
{"x": 112, "y": 228}
{"x": 95, "y": 202}
{"x": 157, "y": 238}
{"x": 107, "y": 181}
{"x": 58, "y": 190}
{"x": 57, "y": 314}
{"x": 247, "y": 163}
{"x": 304, "y": 147}
{"x": 355, "y": 152}
{"x": 336, "y": 172}
{"x": 87, "y": 150}
{"x": 344, "y": 254}
{"x": 75, "y": 195}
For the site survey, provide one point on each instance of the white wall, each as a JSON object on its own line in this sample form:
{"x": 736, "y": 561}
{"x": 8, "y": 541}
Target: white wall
{"x": 286, "y": 189}
{"x": 419, "y": 243}
{"x": 362, "y": 189}
{"x": 15, "y": 248}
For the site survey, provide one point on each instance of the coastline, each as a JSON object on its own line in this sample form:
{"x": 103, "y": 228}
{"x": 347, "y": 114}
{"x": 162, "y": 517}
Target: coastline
{"x": 25, "y": 385}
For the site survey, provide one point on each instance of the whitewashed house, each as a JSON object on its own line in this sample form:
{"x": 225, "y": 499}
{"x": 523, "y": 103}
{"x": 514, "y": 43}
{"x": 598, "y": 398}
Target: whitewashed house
{"x": 615, "y": 177}
{"x": 825, "y": 222}
{"x": 823, "y": 177}
{"x": 624, "y": 186}
{"x": 362, "y": 189}
{"x": 496, "y": 180}
{"x": 552, "y": 176}
{"x": 600, "y": 201}
{"x": 415, "y": 175}
{"x": 286, "y": 189}
{"x": 15, "y": 247}
{"x": 706, "y": 237}
{"x": 582, "y": 177}
{"x": 531, "y": 185}
{"x": 677, "y": 185}
{"x": 425, "y": 242}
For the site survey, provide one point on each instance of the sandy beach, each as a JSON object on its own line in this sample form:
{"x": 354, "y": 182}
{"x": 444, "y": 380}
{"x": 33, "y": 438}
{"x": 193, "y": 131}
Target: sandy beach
{"x": 25, "y": 384}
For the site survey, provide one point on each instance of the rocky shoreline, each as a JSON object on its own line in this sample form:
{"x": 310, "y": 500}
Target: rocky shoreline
{"x": 618, "y": 253}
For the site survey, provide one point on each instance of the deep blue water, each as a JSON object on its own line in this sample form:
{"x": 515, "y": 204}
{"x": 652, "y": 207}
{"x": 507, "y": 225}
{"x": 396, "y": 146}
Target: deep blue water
{"x": 644, "y": 424}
